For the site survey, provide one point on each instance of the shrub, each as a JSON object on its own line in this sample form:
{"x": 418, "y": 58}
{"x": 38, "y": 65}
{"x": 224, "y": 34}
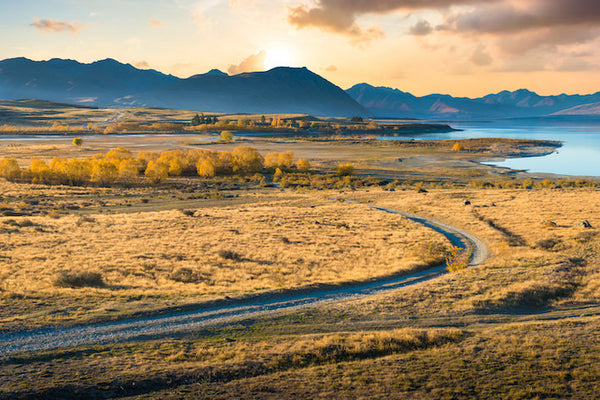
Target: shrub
{"x": 77, "y": 141}
{"x": 345, "y": 170}
{"x": 79, "y": 279}
{"x": 186, "y": 275}
{"x": 457, "y": 147}
{"x": 457, "y": 259}
{"x": 229, "y": 255}
{"x": 303, "y": 165}
{"x": 226, "y": 136}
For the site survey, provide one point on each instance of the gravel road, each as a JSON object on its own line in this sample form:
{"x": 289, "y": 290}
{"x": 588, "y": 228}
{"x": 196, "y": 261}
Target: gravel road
{"x": 234, "y": 310}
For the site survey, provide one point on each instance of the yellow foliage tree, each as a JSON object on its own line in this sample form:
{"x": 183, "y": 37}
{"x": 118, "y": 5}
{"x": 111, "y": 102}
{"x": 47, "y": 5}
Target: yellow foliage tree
{"x": 246, "y": 160}
{"x": 104, "y": 172}
{"x": 39, "y": 172}
{"x": 9, "y": 169}
{"x": 77, "y": 141}
{"x": 226, "y": 136}
{"x": 286, "y": 159}
{"x": 303, "y": 165}
{"x": 345, "y": 170}
{"x": 128, "y": 171}
{"x": 156, "y": 172}
{"x": 207, "y": 168}
{"x": 457, "y": 147}
{"x": 272, "y": 160}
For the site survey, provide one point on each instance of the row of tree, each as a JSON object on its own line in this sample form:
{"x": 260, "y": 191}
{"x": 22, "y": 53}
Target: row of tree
{"x": 120, "y": 165}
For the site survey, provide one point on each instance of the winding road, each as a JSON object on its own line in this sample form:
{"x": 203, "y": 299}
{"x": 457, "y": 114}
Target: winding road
{"x": 233, "y": 310}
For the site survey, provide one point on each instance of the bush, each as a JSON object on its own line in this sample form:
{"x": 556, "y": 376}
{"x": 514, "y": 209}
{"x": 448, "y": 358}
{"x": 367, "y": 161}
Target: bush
{"x": 457, "y": 147}
{"x": 79, "y": 279}
{"x": 457, "y": 259}
{"x": 226, "y": 136}
{"x": 186, "y": 275}
{"x": 229, "y": 255}
{"x": 345, "y": 170}
{"x": 77, "y": 141}
{"x": 303, "y": 165}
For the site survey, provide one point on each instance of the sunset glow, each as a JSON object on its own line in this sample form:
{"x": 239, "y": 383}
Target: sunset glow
{"x": 459, "y": 47}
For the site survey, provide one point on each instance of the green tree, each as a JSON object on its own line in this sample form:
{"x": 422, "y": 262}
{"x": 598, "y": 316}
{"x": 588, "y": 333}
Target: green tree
{"x": 196, "y": 120}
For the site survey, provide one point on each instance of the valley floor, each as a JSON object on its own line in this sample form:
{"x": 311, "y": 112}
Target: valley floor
{"x": 524, "y": 324}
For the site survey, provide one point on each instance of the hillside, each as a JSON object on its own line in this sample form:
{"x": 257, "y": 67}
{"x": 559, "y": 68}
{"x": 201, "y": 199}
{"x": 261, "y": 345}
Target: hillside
{"x": 109, "y": 83}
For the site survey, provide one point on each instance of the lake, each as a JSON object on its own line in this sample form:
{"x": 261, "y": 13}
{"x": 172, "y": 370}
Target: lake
{"x": 579, "y": 155}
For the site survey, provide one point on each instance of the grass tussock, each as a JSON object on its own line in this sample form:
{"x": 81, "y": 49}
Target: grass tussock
{"x": 230, "y": 255}
{"x": 79, "y": 280}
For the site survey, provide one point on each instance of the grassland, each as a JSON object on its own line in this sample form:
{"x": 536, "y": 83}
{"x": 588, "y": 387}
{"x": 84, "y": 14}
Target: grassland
{"x": 523, "y": 325}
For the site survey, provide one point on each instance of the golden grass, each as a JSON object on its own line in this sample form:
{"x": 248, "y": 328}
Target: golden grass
{"x": 286, "y": 242}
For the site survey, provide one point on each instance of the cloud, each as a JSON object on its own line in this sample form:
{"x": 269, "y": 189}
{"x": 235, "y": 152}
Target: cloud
{"x": 421, "y": 28}
{"x": 156, "y": 23}
{"x": 532, "y": 14}
{"x": 142, "y": 64}
{"x": 481, "y": 57}
{"x": 340, "y": 16}
{"x": 52, "y": 25}
{"x": 331, "y": 68}
{"x": 255, "y": 62}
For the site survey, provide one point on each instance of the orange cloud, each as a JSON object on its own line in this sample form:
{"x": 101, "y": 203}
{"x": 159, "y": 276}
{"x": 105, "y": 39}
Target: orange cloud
{"x": 51, "y": 25}
{"x": 339, "y": 16}
{"x": 255, "y": 62}
{"x": 156, "y": 23}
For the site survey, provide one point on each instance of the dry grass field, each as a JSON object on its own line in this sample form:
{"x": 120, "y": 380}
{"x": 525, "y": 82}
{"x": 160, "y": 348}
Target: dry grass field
{"x": 188, "y": 255}
{"x": 522, "y": 325}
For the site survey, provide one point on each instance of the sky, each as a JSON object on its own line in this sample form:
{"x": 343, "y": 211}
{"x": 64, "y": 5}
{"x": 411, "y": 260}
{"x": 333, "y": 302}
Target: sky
{"x": 460, "y": 47}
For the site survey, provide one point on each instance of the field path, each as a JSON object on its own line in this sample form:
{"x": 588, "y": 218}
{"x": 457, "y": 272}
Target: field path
{"x": 233, "y": 310}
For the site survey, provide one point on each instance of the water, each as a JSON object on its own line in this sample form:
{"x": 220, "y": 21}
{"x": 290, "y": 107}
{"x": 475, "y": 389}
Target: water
{"x": 579, "y": 155}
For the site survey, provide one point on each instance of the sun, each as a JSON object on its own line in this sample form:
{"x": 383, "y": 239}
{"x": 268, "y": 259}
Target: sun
{"x": 278, "y": 57}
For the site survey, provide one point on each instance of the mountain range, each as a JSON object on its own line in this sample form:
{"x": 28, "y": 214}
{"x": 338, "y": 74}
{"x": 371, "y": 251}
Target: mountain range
{"x": 388, "y": 102}
{"x": 109, "y": 83}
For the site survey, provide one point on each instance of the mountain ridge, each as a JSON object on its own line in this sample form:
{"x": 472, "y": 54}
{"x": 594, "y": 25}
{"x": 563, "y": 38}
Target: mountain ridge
{"x": 384, "y": 101}
{"x": 109, "y": 83}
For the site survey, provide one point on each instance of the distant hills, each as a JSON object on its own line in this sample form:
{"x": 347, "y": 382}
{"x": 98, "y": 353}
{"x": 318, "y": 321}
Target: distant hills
{"x": 387, "y": 102}
{"x": 109, "y": 83}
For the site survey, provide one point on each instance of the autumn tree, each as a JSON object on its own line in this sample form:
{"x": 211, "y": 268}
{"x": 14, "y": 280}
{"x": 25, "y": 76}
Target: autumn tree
{"x": 345, "y": 170}
{"x": 303, "y": 165}
{"x": 226, "y": 136}
{"x": 9, "y": 169}
{"x": 156, "y": 172}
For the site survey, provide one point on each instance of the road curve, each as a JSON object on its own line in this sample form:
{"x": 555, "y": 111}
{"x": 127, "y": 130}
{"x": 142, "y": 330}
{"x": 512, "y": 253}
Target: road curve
{"x": 233, "y": 310}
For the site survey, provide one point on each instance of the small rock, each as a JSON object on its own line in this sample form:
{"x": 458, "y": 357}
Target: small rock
{"x": 421, "y": 190}
{"x": 466, "y": 203}
{"x": 548, "y": 224}
{"x": 584, "y": 224}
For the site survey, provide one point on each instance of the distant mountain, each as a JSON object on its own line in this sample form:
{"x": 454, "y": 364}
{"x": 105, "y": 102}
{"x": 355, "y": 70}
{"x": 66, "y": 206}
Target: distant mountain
{"x": 105, "y": 83}
{"x": 280, "y": 90}
{"x": 584, "y": 109}
{"x": 387, "y": 102}
{"x": 109, "y": 83}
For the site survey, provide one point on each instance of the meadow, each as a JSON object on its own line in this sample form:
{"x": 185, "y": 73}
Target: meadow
{"x": 522, "y": 325}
